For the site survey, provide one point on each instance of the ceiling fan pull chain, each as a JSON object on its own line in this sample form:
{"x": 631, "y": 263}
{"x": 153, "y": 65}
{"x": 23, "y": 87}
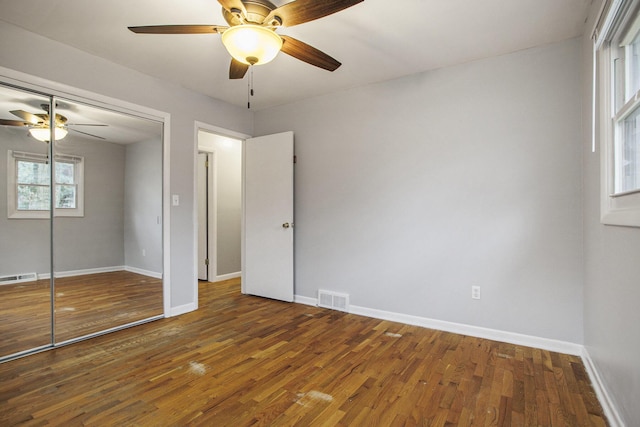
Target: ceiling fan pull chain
{"x": 250, "y": 86}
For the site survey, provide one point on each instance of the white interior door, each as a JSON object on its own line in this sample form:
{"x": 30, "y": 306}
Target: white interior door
{"x": 267, "y": 268}
{"x": 202, "y": 217}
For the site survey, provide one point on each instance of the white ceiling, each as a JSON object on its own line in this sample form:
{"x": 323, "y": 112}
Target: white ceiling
{"x": 375, "y": 40}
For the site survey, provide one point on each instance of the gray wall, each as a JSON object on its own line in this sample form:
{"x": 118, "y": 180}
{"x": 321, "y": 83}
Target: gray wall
{"x": 228, "y": 182}
{"x": 85, "y": 71}
{"x": 95, "y": 240}
{"x": 24, "y": 243}
{"x": 612, "y": 277}
{"x": 410, "y": 191}
{"x": 143, "y": 206}
{"x": 92, "y": 241}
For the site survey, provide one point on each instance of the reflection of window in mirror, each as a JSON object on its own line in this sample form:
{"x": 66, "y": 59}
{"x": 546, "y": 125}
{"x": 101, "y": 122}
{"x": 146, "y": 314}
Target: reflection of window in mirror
{"x": 28, "y": 185}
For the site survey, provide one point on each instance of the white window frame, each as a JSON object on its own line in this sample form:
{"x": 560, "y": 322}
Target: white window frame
{"x": 12, "y": 211}
{"x": 622, "y": 208}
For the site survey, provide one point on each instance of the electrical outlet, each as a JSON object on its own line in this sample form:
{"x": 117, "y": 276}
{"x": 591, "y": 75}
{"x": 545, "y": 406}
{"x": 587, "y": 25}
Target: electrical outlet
{"x": 475, "y": 292}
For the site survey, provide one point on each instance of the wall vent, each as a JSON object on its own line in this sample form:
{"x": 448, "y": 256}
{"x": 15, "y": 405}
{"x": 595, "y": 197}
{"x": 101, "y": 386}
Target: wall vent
{"x": 18, "y": 278}
{"x": 333, "y": 300}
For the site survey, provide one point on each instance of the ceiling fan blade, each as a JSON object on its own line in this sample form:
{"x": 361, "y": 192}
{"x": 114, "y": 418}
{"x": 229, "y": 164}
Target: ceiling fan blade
{"x": 85, "y": 133}
{"x": 28, "y": 117}
{"x": 60, "y": 119}
{"x": 301, "y": 11}
{"x": 233, "y": 4}
{"x": 178, "y": 29}
{"x": 4, "y": 122}
{"x": 309, "y": 54}
{"x": 237, "y": 70}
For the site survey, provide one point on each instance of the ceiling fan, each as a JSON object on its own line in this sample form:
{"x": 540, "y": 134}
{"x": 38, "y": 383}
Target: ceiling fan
{"x": 251, "y": 38}
{"x": 38, "y": 124}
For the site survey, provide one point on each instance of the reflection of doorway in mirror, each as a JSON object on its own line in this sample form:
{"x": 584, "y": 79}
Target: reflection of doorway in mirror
{"x": 220, "y": 206}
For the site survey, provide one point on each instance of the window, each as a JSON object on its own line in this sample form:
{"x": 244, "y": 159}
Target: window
{"x": 617, "y": 43}
{"x": 626, "y": 111}
{"x": 29, "y": 187}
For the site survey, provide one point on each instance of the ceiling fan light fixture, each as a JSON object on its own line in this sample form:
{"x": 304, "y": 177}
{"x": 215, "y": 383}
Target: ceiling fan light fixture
{"x": 43, "y": 134}
{"x": 252, "y": 44}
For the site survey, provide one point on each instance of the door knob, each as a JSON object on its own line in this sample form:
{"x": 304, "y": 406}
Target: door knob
{"x": 285, "y": 225}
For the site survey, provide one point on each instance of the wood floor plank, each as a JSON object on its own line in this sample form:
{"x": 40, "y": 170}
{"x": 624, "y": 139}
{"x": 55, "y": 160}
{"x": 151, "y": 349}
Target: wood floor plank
{"x": 246, "y": 361}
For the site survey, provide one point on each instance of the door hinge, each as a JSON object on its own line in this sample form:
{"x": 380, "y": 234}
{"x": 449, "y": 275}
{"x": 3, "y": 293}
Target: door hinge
{"x": 206, "y": 163}
{"x": 206, "y": 261}
{"x": 295, "y": 159}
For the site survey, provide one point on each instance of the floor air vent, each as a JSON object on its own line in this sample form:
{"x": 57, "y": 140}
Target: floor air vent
{"x": 18, "y": 278}
{"x": 333, "y": 300}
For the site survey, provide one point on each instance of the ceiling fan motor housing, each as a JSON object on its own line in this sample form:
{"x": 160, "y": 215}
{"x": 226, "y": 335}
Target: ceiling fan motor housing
{"x": 257, "y": 10}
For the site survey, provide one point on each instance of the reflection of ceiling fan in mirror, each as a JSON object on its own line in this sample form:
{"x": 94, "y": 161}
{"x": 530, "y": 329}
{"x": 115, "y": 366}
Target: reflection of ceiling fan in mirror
{"x": 38, "y": 124}
{"x": 251, "y": 38}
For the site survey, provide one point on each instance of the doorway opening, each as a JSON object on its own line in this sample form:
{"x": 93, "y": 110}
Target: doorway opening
{"x": 219, "y": 189}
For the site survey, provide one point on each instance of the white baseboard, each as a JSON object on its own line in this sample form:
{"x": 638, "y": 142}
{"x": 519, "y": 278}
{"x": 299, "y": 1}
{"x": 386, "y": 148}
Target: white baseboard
{"x": 72, "y": 273}
{"x": 459, "y": 328}
{"x": 226, "y": 277}
{"x": 83, "y": 272}
{"x": 148, "y": 273}
{"x": 610, "y": 411}
{"x": 305, "y": 300}
{"x": 182, "y": 309}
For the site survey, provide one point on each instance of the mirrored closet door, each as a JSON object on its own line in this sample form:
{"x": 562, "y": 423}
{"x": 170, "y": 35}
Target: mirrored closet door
{"x": 25, "y": 228}
{"x": 95, "y": 264}
{"x": 107, "y": 227}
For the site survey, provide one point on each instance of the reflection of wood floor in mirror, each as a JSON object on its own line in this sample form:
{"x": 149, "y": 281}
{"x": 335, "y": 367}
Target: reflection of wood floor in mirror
{"x": 25, "y": 316}
{"x": 84, "y": 305}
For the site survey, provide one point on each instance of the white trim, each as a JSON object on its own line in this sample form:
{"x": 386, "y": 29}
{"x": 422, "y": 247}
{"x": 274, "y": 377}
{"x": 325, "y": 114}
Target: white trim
{"x": 228, "y": 276}
{"x": 600, "y": 34}
{"x": 299, "y": 299}
{"x": 148, "y": 273}
{"x": 219, "y": 131}
{"x": 460, "y": 328}
{"x": 83, "y": 272}
{"x": 166, "y": 214}
{"x": 182, "y": 309}
{"x": 194, "y": 220}
{"x": 608, "y": 406}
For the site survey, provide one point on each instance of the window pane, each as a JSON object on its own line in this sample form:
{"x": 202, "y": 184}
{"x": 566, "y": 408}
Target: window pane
{"x": 33, "y": 198}
{"x": 634, "y": 66}
{"x": 65, "y": 196}
{"x": 628, "y": 154}
{"x": 33, "y": 172}
{"x": 64, "y": 173}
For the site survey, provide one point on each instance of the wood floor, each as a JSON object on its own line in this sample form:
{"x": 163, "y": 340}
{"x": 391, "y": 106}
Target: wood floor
{"x": 247, "y": 361}
{"x": 83, "y": 305}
